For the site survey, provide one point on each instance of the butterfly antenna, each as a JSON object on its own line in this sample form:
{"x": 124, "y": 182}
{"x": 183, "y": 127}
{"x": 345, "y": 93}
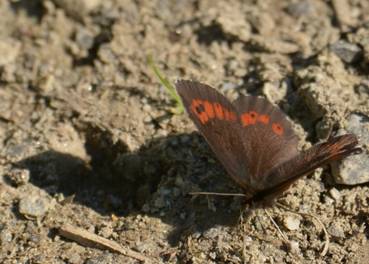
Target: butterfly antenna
{"x": 218, "y": 194}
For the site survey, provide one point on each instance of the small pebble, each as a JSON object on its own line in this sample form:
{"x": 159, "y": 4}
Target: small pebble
{"x": 348, "y": 52}
{"x": 33, "y": 206}
{"x": 147, "y": 108}
{"x": 336, "y": 230}
{"x": 291, "y": 223}
{"x": 5, "y": 237}
{"x": 294, "y": 247}
{"x": 213, "y": 255}
{"x": 84, "y": 38}
{"x": 300, "y": 8}
{"x": 335, "y": 194}
{"x": 18, "y": 177}
{"x": 228, "y": 86}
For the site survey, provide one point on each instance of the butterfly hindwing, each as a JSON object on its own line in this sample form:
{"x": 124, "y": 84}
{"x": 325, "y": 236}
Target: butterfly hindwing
{"x": 268, "y": 138}
{"x": 307, "y": 161}
{"x": 218, "y": 121}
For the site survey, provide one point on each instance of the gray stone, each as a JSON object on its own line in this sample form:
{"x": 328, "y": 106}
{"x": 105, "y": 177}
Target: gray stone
{"x": 84, "y": 38}
{"x": 300, "y": 8}
{"x": 348, "y": 52}
{"x": 355, "y": 169}
{"x": 33, "y": 206}
{"x": 336, "y": 230}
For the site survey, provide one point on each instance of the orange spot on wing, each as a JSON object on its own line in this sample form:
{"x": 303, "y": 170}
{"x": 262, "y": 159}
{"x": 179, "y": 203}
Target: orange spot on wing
{"x": 264, "y": 119}
{"x": 209, "y": 109}
{"x": 277, "y": 129}
{"x": 245, "y": 119}
{"x": 219, "y": 113}
{"x": 249, "y": 118}
{"x": 253, "y": 116}
{"x": 198, "y": 108}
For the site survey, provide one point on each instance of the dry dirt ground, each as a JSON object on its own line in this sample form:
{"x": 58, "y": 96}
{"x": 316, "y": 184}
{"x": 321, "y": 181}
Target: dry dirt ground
{"x": 88, "y": 138}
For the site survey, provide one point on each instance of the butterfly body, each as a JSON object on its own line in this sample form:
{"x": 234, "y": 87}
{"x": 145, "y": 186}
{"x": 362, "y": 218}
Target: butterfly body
{"x": 254, "y": 141}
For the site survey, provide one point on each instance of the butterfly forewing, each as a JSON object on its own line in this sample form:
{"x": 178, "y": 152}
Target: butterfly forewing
{"x": 268, "y": 138}
{"x": 218, "y": 121}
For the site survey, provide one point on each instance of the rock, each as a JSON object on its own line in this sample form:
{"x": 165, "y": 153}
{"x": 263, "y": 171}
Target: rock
{"x": 274, "y": 92}
{"x": 300, "y": 8}
{"x": 291, "y": 223}
{"x": 84, "y": 38}
{"x": 5, "y": 236}
{"x": 335, "y": 194}
{"x": 348, "y": 52}
{"x": 18, "y": 177}
{"x": 336, "y": 230}
{"x": 355, "y": 169}
{"x": 294, "y": 247}
{"x": 33, "y": 206}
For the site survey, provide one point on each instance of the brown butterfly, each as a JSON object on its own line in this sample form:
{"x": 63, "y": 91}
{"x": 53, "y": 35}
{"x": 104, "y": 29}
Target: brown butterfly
{"x": 255, "y": 142}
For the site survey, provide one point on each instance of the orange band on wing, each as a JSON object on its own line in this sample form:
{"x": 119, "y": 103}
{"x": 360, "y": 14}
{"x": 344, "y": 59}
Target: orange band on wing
{"x": 205, "y": 110}
{"x": 209, "y": 109}
{"x": 218, "y": 111}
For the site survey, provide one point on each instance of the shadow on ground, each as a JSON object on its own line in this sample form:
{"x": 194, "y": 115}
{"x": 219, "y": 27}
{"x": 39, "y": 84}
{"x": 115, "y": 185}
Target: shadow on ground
{"x": 154, "y": 180}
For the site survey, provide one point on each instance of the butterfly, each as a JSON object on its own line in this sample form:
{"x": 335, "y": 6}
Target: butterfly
{"x": 255, "y": 142}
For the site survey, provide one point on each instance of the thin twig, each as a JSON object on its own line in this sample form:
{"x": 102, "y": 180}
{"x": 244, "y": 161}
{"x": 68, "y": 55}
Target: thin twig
{"x": 88, "y": 239}
{"x": 277, "y": 227}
